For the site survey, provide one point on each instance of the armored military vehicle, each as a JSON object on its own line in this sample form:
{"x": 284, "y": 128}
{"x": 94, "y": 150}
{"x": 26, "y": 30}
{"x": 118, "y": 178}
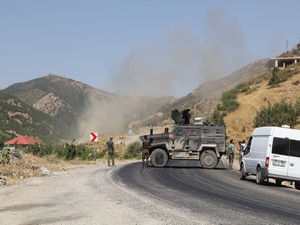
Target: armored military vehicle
{"x": 201, "y": 141}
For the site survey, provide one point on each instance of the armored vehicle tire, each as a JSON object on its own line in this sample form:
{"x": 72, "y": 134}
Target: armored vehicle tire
{"x": 259, "y": 176}
{"x": 159, "y": 158}
{"x": 209, "y": 159}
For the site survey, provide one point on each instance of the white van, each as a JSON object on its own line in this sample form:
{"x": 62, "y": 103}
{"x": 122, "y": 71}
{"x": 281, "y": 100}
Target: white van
{"x": 273, "y": 152}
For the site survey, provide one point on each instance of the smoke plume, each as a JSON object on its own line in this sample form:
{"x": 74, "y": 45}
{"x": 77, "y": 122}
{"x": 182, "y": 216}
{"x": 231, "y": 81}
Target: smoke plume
{"x": 176, "y": 65}
{"x": 182, "y": 61}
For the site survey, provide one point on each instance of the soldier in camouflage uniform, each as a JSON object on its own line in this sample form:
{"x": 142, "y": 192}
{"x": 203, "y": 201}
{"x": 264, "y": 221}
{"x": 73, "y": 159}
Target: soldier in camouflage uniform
{"x": 145, "y": 151}
{"x": 110, "y": 151}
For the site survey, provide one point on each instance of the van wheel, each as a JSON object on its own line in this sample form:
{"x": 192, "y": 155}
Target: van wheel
{"x": 259, "y": 176}
{"x": 278, "y": 182}
{"x": 159, "y": 158}
{"x": 297, "y": 185}
{"x": 243, "y": 174}
{"x": 208, "y": 159}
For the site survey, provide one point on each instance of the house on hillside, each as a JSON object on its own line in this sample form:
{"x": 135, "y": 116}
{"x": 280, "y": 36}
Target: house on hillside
{"x": 287, "y": 58}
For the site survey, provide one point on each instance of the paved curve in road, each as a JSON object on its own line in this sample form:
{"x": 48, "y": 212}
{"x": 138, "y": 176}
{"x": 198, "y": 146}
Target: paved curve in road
{"x": 211, "y": 196}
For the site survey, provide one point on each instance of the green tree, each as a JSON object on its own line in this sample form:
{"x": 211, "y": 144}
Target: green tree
{"x": 279, "y": 114}
{"x": 218, "y": 116}
{"x": 229, "y": 101}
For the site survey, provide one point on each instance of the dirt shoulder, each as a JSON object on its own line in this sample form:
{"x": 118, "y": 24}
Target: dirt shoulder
{"x": 82, "y": 194}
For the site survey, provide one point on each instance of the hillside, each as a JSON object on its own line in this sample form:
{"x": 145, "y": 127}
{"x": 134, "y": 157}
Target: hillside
{"x": 203, "y": 99}
{"x": 240, "y": 122}
{"x": 17, "y": 117}
{"x": 80, "y": 108}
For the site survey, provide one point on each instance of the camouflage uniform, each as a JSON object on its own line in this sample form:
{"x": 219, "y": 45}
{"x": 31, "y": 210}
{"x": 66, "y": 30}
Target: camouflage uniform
{"x": 145, "y": 151}
{"x": 110, "y": 151}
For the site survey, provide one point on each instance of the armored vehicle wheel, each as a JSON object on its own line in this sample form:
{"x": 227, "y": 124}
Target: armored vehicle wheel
{"x": 208, "y": 159}
{"x": 259, "y": 176}
{"x": 159, "y": 158}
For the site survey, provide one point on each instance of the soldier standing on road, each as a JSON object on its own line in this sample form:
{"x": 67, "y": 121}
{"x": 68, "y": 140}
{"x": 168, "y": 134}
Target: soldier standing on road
{"x": 145, "y": 151}
{"x": 110, "y": 151}
{"x": 231, "y": 153}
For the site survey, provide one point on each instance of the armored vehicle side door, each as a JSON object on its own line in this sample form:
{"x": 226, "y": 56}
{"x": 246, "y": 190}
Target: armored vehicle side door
{"x": 193, "y": 140}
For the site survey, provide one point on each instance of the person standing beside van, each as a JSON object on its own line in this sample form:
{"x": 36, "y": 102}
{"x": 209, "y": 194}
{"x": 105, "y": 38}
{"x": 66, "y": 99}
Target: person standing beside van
{"x": 242, "y": 145}
{"x": 231, "y": 153}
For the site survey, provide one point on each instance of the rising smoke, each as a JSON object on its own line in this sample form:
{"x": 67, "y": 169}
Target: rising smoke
{"x": 182, "y": 61}
{"x": 175, "y": 66}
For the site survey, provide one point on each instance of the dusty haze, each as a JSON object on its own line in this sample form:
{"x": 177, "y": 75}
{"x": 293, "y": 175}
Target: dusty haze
{"x": 180, "y": 62}
{"x": 175, "y": 65}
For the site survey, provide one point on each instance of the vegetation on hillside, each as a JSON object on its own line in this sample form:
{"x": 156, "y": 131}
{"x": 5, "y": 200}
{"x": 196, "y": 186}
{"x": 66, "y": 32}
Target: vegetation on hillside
{"x": 279, "y": 76}
{"x": 276, "y": 114}
{"x": 16, "y": 117}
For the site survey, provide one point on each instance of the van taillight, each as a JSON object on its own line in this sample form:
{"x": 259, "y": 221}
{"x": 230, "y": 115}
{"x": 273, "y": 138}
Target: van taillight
{"x": 267, "y": 162}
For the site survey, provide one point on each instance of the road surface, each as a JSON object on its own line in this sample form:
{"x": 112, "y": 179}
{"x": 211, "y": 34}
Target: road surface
{"x": 181, "y": 193}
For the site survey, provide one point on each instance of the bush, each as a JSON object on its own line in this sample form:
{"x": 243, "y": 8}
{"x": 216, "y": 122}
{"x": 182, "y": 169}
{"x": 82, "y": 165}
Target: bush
{"x": 133, "y": 151}
{"x": 279, "y": 76}
{"x": 279, "y": 114}
{"x": 229, "y": 101}
{"x": 5, "y": 155}
{"x": 217, "y": 117}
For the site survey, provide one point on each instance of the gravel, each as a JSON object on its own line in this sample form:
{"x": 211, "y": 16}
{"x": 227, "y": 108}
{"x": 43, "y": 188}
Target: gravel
{"x": 81, "y": 195}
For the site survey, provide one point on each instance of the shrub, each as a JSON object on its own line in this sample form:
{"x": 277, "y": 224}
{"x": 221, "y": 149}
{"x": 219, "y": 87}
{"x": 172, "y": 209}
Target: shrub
{"x": 281, "y": 76}
{"x": 5, "y": 155}
{"x": 279, "y": 114}
{"x": 39, "y": 150}
{"x": 229, "y": 101}
{"x": 217, "y": 116}
{"x": 133, "y": 151}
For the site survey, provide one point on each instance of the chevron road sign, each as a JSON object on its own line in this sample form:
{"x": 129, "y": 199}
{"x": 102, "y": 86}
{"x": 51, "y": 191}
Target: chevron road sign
{"x": 93, "y": 136}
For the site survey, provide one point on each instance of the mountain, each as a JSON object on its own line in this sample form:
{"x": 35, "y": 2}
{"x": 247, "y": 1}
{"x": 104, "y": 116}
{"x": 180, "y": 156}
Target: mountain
{"x": 84, "y": 109}
{"x": 204, "y": 98}
{"x": 17, "y": 117}
{"x": 80, "y": 109}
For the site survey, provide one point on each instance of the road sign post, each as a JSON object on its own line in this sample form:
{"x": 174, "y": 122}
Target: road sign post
{"x": 94, "y": 138}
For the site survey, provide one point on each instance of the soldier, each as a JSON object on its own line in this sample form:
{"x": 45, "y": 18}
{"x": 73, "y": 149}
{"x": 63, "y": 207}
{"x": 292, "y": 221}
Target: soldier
{"x": 231, "y": 153}
{"x": 110, "y": 151}
{"x": 145, "y": 151}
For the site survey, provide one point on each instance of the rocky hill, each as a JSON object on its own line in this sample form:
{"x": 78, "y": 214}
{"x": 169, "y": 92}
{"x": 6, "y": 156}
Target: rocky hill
{"x": 17, "y": 117}
{"x": 82, "y": 108}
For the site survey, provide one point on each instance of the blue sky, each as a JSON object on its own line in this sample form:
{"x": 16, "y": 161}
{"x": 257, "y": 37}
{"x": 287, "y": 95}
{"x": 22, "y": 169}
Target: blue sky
{"x": 143, "y": 47}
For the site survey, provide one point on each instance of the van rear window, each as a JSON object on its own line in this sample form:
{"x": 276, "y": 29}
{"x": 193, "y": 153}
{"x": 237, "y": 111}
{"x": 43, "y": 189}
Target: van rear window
{"x": 284, "y": 146}
{"x": 295, "y": 148}
{"x": 281, "y": 146}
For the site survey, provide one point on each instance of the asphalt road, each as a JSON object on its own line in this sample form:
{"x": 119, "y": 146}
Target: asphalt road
{"x": 210, "y": 196}
{"x": 182, "y": 193}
